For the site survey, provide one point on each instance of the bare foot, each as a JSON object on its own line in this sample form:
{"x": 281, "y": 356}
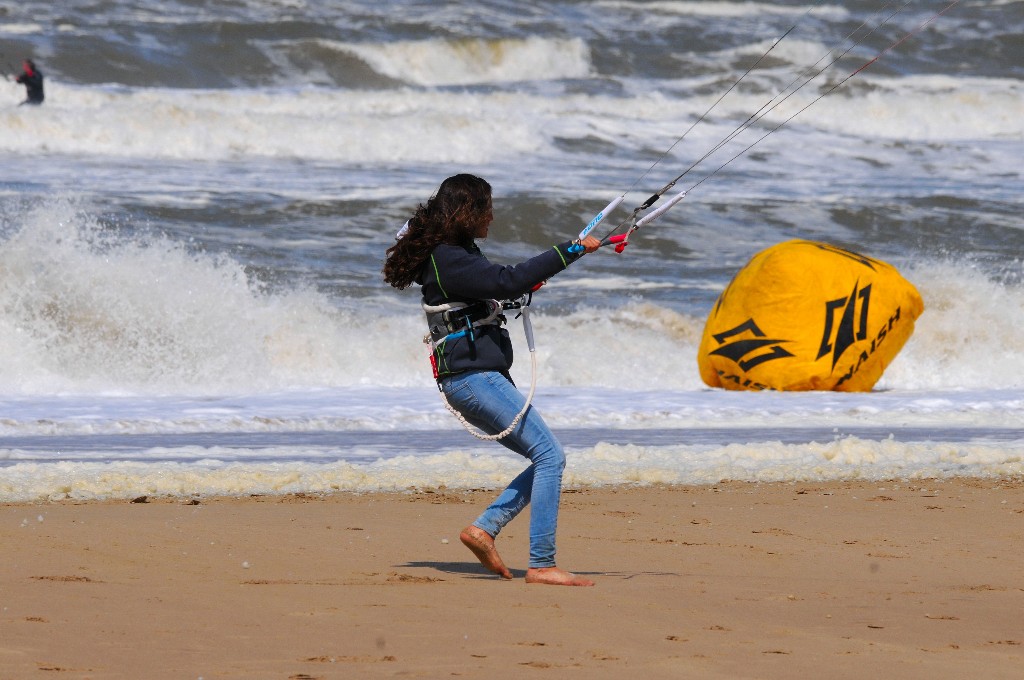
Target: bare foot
{"x": 482, "y": 545}
{"x": 553, "y": 576}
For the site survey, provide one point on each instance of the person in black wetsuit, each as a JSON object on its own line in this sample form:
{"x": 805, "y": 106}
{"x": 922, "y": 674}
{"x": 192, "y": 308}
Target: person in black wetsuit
{"x": 32, "y": 78}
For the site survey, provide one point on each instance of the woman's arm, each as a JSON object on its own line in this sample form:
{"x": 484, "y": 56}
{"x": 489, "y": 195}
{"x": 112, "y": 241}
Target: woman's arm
{"x": 466, "y": 274}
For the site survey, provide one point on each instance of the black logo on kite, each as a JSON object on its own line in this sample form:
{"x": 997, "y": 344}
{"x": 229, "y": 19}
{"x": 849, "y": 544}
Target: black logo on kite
{"x": 852, "y": 326}
{"x": 843, "y": 252}
{"x": 747, "y": 351}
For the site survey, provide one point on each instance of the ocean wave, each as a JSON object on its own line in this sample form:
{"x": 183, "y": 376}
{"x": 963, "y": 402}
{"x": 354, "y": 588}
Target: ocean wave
{"x": 87, "y": 308}
{"x": 475, "y": 61}
{"x": 253, "y": 44}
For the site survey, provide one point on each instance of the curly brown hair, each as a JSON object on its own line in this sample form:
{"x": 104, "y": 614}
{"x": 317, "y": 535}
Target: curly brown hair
{"x": 451, "y": 216}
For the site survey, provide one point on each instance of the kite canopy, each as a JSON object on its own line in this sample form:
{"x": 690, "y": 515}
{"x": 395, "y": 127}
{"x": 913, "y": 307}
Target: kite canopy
{"x": 804, "y": 315}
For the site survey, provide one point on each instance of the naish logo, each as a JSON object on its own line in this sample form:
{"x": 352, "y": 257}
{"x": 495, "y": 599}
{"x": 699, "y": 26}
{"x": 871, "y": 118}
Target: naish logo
{"x": 852, "y": 325}
{"x": 752, "y": 350}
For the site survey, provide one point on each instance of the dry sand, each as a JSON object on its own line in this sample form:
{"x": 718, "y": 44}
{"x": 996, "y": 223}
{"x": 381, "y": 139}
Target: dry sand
{"x": 920, "y": 579}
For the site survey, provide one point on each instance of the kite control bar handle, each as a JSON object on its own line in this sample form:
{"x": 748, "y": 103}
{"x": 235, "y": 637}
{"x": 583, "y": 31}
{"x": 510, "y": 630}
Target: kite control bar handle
{"x": 599, "y": 216}
{"x": 577, "y": 247}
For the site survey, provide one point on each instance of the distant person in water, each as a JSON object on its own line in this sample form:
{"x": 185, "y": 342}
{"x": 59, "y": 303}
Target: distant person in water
{"x": 32, "y": 78}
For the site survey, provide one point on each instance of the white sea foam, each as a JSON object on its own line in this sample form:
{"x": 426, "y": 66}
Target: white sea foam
{"x": 20, "y": 29}
{"x": 921, "y": 108}
{"x": 466, "y": 127}
{"x": 309, "y": 124}
{"x": 605, "y": 464}
{"x": 968, "y": 336}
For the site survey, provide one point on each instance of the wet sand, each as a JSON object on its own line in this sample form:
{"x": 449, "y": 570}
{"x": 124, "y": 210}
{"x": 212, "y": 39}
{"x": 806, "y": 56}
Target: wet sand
{"x": 919, "y": 579}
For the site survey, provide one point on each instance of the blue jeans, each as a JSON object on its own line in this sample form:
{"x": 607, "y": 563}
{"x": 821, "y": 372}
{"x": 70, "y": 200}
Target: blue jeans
{"x": 488, "y": 400}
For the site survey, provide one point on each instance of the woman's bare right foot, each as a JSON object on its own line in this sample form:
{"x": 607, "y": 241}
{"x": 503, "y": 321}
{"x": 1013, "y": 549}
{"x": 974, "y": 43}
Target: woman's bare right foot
{"x": 553, "y": 576}
{"x": 482, "y": 545}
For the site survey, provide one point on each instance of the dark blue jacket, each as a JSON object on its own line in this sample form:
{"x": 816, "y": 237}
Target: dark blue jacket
{"x": 463, "y": 274}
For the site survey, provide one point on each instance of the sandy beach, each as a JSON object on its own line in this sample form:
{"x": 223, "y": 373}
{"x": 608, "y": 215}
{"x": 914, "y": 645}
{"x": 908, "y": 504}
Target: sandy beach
{"x": 918, "y": 579}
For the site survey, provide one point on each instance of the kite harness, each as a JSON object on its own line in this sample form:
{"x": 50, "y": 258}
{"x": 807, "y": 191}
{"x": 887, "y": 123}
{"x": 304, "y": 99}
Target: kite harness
{"x": 453, "y": 320}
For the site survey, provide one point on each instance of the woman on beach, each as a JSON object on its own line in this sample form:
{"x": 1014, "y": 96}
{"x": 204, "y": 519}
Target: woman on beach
{"x": 473, "y": 354}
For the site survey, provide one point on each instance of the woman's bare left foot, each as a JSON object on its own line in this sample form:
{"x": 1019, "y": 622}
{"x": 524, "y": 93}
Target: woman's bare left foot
{"x": 482, "y": 545}
{"x": 553, "y": 576}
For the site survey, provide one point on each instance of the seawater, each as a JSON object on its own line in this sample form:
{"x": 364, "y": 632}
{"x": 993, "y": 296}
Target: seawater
{"x": 192, "y": 229}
